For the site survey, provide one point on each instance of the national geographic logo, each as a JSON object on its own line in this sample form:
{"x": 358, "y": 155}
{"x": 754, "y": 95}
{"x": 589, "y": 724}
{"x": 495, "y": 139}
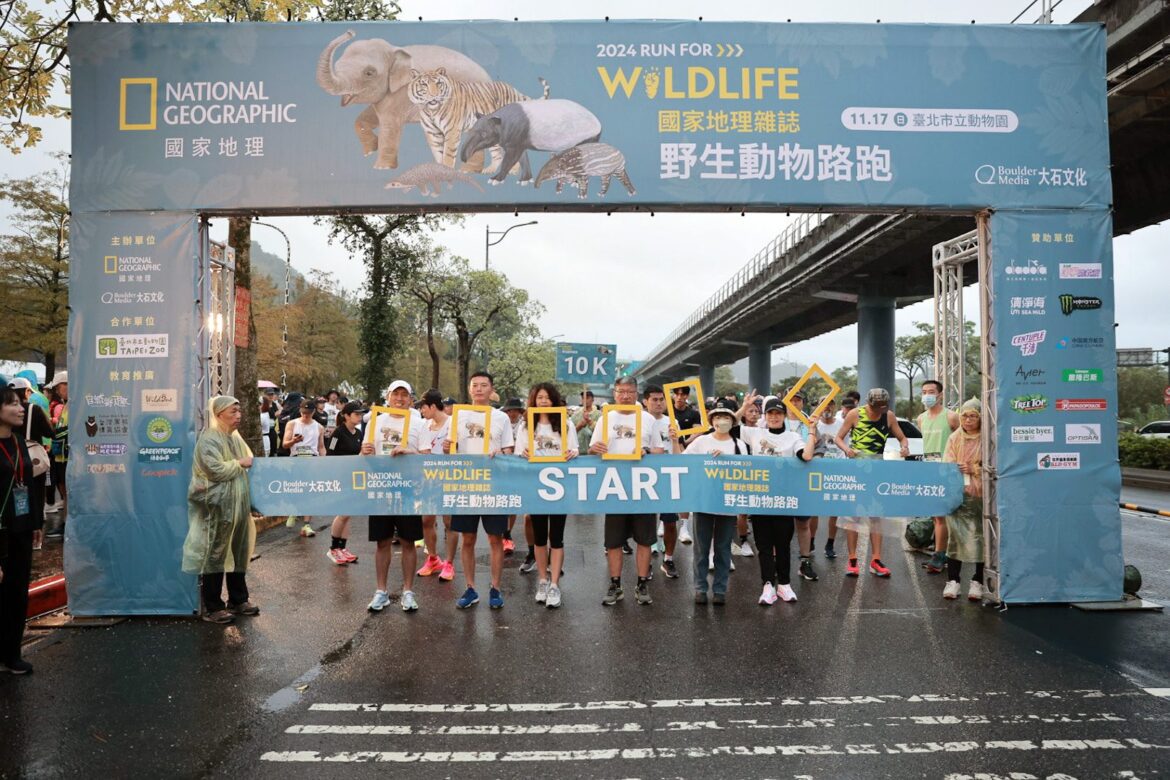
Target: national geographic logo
{"x": 1071, "y": 303}
{"x": 131, "y": 94}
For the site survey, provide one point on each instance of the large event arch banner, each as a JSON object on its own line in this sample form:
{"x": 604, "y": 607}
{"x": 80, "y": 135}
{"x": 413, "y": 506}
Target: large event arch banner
{"x": 174, "y": 121}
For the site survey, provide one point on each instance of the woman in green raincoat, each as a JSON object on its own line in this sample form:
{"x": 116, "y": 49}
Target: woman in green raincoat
{"x": 221, "y": 535}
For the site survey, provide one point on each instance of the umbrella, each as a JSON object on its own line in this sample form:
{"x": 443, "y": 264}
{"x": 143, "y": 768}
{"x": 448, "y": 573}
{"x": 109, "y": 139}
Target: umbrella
{"x": 264, "y": 384}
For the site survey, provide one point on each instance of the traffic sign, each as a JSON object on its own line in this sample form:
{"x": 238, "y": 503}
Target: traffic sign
{"x": 587, "y": 363}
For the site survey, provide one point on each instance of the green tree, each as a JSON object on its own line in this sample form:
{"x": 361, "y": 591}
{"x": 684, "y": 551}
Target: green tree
{"x": 725, "y": 383}
{"x": 1139, "y": 394}
{"x": 520, "y": 362}
{"x": 390, "y": 247}
{"x": 429, "y": 287}
{"x": 34, "y": 266}
{"x": 914, "y": 356}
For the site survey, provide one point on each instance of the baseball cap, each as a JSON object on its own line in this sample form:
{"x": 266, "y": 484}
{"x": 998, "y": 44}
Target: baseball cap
{"x": 774, "y": 403}
{"x": 512, "y": 403}
{"x": 722, "y": 406}
{"x": 20, "y": 383}
{"x": 59, "y": 378}
{"x": 397, "y": 383}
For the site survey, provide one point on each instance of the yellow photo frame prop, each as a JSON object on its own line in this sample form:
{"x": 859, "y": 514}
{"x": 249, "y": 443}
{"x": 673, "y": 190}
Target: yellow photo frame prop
{"x": 377, "y": 410}
{"x": 834, "y": 391}
{"x": 487, "y": 425}
{"x": 637, "y": 410}
{"x": 703, "y": 426}
{"x": 563, "y": 413}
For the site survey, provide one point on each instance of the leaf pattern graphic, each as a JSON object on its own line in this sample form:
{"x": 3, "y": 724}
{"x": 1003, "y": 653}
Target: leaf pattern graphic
{"x": 832, "y": 47}
{"x": 946, "y": 54}
{"x": 109, "y": 183}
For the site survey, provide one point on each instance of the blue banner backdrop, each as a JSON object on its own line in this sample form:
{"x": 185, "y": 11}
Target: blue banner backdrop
{"x": 479, "y": 484}
{"x": 1059, "y": 478}
{"x": 132, "y": 374}
{"x": 672, "y": 114}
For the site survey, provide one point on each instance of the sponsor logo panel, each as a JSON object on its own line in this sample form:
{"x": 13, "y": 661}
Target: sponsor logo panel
{"x": 1032, "y": 434}
{"x": 1081, "y": 405}
{"x": 1058, "y": 461}
{"x": 1082, "y": 433}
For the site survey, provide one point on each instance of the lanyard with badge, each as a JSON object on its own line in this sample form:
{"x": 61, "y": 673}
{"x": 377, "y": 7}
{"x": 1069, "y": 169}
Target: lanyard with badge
{"x": 16, "y": 488}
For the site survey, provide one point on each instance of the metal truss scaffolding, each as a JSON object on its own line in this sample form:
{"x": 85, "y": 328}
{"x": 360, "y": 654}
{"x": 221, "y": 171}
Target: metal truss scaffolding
{"x": 991, "y": 519}
{"x": 950, "y": 338}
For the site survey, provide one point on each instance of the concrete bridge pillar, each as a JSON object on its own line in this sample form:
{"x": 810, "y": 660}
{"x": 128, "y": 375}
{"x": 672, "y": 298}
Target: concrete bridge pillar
{"x": 707, "y": 380}
{"x": 760, "y": 366}
{"x": 875, "y": 344}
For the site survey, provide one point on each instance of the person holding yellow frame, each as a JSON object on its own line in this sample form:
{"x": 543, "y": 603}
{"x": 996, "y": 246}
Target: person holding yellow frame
{"x": 391, "y": 434}
{"x": 478, "y": 429}
{"x": 625, "y": 433}
{"x": 547, "y": 436}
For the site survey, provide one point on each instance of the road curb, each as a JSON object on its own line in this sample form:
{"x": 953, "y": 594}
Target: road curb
{"x": 47, "y": 595}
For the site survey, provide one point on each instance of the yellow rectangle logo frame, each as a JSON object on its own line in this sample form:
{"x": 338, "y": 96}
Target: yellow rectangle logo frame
{"x": 377, "y": 410}
{"x": 122, "y": 123}
{"x": 487, "y": 426}
{"x": 563, "y": 412}
{"x": 637, "y": 409}
{"x": 704, "y": 425}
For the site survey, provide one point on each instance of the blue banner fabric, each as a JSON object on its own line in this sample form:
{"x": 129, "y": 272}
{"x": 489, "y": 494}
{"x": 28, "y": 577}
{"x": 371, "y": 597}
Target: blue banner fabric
{"x": 1059, "y": 479}
{"x": 598, "y": 115}
{"x": 479, "y": 484}
{"x": 132, "y": 412}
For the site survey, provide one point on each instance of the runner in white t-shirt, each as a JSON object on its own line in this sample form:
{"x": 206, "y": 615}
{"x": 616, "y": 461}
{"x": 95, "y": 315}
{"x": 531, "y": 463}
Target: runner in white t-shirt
{"x": 434, "y": 430}
{"x": 664, "y": 438}
{"x": 774, "y": 532}
{"x": 548, "y": 530}
{"x": 473, "y": 431}
{"x": 827, "y": 428}
{"x": 514, "y": 408}
{"x": 304, "y": 437}
{"x": 714, "y": 533}
{"x": 619, "y": 436}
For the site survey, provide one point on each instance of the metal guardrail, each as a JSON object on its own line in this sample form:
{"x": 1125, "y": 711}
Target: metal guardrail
{"x": 767, "y": 257}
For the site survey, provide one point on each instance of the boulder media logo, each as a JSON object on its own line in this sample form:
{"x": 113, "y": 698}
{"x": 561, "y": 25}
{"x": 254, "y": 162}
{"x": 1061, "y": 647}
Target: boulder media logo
{"x": 1071, "y": 303}
{"x": 1058, "y": 461}
{"x": 1082, "y": 433}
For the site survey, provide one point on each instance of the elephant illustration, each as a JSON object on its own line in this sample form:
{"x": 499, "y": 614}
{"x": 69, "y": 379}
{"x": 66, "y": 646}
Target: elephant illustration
{"x": 377, "y": 73}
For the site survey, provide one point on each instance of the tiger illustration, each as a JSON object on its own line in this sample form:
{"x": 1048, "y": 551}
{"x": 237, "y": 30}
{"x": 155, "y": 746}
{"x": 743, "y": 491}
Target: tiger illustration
{"x": 546, "y": 445}
{"x": 474, "y": 430}
{"x": 623, "y": 432}
{"x": 447, "y": 107}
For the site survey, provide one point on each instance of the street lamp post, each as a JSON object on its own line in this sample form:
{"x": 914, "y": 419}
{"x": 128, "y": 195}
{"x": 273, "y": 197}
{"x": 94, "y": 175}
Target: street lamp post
{"x": 488, "y": 243}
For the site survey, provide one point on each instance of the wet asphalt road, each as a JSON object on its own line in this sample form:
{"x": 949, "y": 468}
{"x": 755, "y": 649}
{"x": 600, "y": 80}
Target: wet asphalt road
{"x": 861, "y": 678}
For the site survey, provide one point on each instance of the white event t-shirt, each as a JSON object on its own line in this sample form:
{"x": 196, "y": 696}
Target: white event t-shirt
{"x": 547, "y": 441}
{"x": 764, "y": 442}
{"x": 471, "y": 432}
{"x": 707, "y": 444}
{"x": 660, "y": 437}
{"x": 622, "y": 430}
{"x": 311, "y": 431}
{"x": 388, "y": 434}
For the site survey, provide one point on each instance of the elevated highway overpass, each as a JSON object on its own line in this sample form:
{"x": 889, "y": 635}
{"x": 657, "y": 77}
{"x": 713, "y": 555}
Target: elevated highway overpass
{"x": 826, "y": 271}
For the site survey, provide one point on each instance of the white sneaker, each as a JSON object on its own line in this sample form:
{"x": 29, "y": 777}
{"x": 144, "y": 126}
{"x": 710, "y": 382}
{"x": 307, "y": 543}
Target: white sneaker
{"x": 711, "y": 561}
{"x": 786, "y": 592}
{"x": 951, "y": 591}
{"x": 745, "y": 550}
{"x": 542, "y": 592}
{"x": 684, "y": 535}
{"x": 768, "y": 596}
{"x": 554, "y": 597}
{"x": 732, "y": 564}
{"x": 409, "y": 602}
{"x": 380, "y": 601}
{"x": 975, "y": 592}
{"x": 307, "y": 530}
{"x": 736, "y": 549}
{"x": 661, "y": 530}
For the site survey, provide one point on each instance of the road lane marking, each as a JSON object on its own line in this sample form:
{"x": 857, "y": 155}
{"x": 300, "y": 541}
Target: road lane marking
{"x": 483, "y": 730}
{"x": 787, "y": 701}
{"x": 1161, "y": 693}
{"x": 693, "y": 752}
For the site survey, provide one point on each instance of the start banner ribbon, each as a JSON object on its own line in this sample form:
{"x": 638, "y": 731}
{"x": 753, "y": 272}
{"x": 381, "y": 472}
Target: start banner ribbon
{"x": 479, "y": 484}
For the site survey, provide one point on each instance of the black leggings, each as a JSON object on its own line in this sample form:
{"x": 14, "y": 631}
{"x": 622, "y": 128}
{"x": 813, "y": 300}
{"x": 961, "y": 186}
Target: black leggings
{"x": 548, "y": 531}
{"x": 774, "y": 542}
{"x": 14, "y": 594}
{"x": 211, "y": 589}
{"x": 955, "y": 569}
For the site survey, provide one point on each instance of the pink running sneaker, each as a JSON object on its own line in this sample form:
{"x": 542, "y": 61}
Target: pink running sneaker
{"x": 337, "y": 556}
{"x": 349, "y": 557}
{"x": 509, "y": 546}
{"x": 433, "y": 565}
{"x": 447, "y": 573}
{"x": 877, "y": 569}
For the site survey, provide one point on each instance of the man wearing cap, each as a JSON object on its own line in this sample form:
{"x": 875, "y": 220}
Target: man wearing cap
{"x": 60, "y": 449}
{"x": 804, "y": 527}
{"x": 665, "y": 438}
{"x": 687, "y": 417}
{"x": 473, "y": 433}
{"x": 618, "y": 436}
{"x": 514, "y": 408}
{"x": 387, "y": 439}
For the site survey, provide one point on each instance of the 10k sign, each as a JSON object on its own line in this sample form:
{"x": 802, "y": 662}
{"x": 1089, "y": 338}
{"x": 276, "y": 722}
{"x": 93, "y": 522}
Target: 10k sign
{"x": 586, "y": 363}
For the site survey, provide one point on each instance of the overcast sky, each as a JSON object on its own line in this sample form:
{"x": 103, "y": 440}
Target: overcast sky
{"x": 670, "y": 263}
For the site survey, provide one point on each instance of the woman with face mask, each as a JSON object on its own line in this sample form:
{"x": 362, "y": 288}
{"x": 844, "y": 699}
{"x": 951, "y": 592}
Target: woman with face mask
{"x": 965, "y": 526}
{"x": 936, "y": 423}
{"x": 714, "y": 533}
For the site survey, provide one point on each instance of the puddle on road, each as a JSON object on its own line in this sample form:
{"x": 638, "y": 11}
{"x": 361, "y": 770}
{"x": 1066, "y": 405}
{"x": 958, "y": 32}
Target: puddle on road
{"x": 291, "y": 693}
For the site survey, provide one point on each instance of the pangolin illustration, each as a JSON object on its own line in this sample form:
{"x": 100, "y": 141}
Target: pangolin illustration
{"x": 429, "y": 177}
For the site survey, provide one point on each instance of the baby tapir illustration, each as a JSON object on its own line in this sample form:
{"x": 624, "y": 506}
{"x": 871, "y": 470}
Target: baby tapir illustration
{"x": 576, "y": 165}
{"x": 543, "y": 125}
